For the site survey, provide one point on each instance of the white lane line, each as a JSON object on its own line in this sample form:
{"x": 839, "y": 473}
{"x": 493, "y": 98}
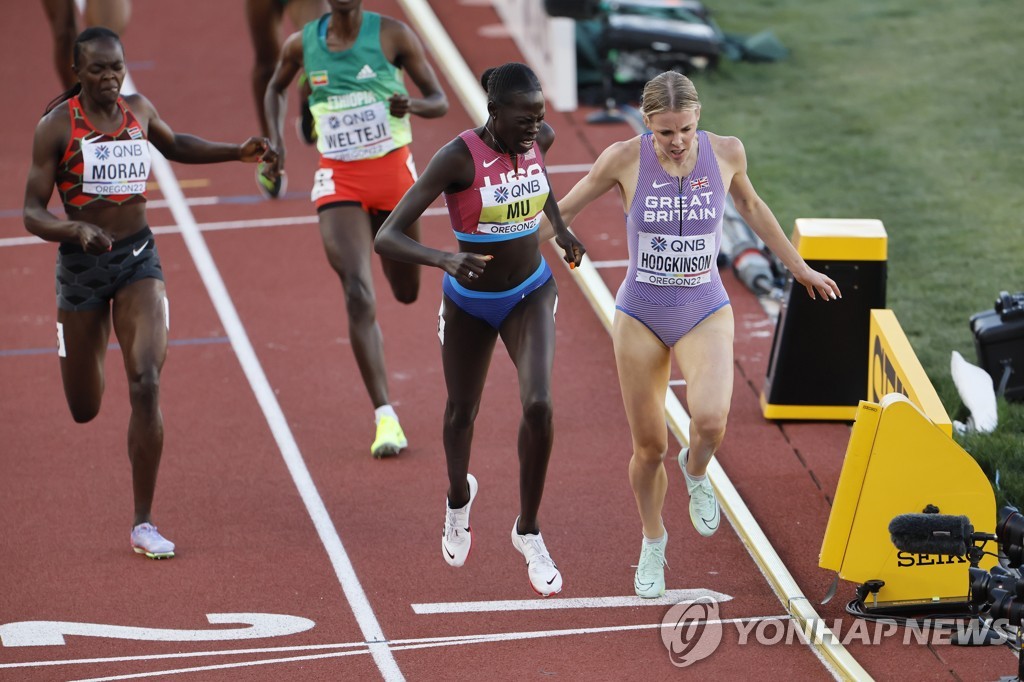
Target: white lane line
{"x": 396, "y": 645}
{"x": 569, "y": 168}
{"x": 268, "y": 222}
{"x": 273, "y": 414}
{"x": 211, "y": 227}
{"x": 671, "y": 597}
{"x": 599, "y": 264}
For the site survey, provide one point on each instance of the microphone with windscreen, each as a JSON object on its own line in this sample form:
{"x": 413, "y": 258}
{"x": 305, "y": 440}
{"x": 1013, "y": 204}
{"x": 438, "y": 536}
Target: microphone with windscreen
{"x": 933, "y": 534}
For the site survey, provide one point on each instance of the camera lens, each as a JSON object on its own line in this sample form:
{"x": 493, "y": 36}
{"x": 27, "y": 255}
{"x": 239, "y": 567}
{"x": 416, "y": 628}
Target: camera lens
{"x": 988, "y": 586}
{"x": 1014, "y": 554}
{"x": 985, "y": 586}
{"x": 1010, "y": 532}
{"x": 1005, "y": 605}
{"x": 979, "y": 586}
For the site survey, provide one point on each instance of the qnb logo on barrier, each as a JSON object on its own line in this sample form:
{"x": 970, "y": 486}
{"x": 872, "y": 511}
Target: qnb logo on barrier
{"x": 691, "y": 631}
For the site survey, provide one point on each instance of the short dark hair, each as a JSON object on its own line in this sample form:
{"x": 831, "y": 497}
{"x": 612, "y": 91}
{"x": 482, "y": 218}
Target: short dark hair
{"x": 501, "y": 81}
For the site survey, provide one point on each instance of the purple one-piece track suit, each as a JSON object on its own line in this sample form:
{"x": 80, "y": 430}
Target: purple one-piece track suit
{"x": 674, "y": 232}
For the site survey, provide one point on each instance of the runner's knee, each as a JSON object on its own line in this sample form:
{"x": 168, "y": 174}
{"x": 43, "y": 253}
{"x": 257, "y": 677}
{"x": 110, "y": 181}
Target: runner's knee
{"x": 263, "y": 68}
{"x": 83, "y": 411}
{"x": 709, "y": 425}
{"x": 406, "y": 292}
{"x": 538, "y": 412}
{"x": 144, "y": 389}
{"x": 359, "y": 300}
{"x": 650, "y": 450}
{"x": 460, "y": 416}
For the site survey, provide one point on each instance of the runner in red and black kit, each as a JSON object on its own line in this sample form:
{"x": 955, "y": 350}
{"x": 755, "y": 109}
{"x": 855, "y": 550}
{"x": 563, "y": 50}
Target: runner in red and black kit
{"x": 92, "y": 144}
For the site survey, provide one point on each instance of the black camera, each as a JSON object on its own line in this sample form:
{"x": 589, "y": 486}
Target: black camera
{"x": 999, "y": 593}
{"x": 1010, "y": 306}
{"x": 1010, "y": 532}
{"x": 995, "y": 597}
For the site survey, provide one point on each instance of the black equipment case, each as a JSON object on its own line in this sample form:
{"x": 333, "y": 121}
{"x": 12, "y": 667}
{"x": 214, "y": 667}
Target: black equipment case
{"x": 999, "y": 342}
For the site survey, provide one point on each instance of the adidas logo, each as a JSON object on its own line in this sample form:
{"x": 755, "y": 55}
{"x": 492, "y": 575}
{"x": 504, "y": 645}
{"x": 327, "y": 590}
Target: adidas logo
{"x": 365, "y": 72}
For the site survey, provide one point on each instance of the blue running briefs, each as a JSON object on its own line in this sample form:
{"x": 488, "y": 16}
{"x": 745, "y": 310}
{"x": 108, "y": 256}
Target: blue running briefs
{"x": 494, "y": 306}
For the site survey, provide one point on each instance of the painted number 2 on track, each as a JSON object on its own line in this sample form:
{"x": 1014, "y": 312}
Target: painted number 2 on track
{"x": 52, "y": 632}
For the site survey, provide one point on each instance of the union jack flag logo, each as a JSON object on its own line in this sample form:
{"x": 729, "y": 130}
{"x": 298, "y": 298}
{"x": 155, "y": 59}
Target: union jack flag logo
{"x": 699, "y": 184}
{"x": 501, "y": 195}
{"x": 659, "y": 244}
{"x": 102, "y": 152}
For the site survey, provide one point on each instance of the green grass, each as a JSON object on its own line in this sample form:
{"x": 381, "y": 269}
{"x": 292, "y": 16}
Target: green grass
{"x": 911, "y": 112}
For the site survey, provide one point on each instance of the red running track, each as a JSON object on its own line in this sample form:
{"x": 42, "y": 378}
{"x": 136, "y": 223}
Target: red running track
{"x": 251, "y": 540}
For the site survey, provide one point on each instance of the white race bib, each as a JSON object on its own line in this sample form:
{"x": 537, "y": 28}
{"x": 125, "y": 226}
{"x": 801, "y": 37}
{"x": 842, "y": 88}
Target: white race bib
{"x": 666, "y": 260}
{"x": 354, "y": 134}
{"x": 515, "y": 205}
{"x": 115, "y": 167}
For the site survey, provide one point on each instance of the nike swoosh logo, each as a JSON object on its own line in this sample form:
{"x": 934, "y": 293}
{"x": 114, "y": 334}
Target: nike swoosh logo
{"x": 488, "y": 164}
{"x": 136, "y": 252}
{"x": 552, "y": 579}
{"x": 643, "y": 585}
{"x": 659, "y": 185}
{"x": 450, "y": 555}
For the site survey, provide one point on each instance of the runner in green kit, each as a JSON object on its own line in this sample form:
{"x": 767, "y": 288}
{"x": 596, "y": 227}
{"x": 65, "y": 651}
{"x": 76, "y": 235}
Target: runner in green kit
{"x": 355, "y": 62}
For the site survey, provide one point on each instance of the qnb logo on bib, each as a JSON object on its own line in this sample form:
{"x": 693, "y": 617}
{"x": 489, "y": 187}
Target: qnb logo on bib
{"x": 514, "y": 206}
{"x": 354, "y": 134}
{"x": 115, "y": 167}
{"x": 666, "y": 260}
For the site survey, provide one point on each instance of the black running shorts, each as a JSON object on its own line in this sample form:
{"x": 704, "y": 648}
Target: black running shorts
{"x": 87, "y": 282}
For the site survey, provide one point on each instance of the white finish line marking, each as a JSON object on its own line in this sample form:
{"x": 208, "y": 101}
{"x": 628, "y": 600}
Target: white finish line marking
{"x": 353, "y": 648}
{"x": 671, "y": 597}
{"x": 52, "y": 632}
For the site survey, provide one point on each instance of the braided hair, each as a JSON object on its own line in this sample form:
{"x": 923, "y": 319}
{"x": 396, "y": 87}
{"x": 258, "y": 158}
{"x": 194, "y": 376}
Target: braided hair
{"x": 88, "y": 35}
{"x": 500, "y": 82}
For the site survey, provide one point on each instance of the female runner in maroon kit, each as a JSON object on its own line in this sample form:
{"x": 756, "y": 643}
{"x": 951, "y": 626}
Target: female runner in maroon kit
{"x": 497, "y": 285}
{"x": 92, "y": 144}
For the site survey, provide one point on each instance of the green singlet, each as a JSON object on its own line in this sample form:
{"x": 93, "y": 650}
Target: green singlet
{"x": 350, "y": 91}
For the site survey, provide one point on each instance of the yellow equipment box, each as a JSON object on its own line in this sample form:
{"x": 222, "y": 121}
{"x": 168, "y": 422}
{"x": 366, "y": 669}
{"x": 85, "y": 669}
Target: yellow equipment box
{"x": 818, "y": 368}
{"x": 899, "y": 462}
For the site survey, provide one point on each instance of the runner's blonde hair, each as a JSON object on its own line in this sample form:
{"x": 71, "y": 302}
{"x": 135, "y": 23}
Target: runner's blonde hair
{"x": 668, "y": 91}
